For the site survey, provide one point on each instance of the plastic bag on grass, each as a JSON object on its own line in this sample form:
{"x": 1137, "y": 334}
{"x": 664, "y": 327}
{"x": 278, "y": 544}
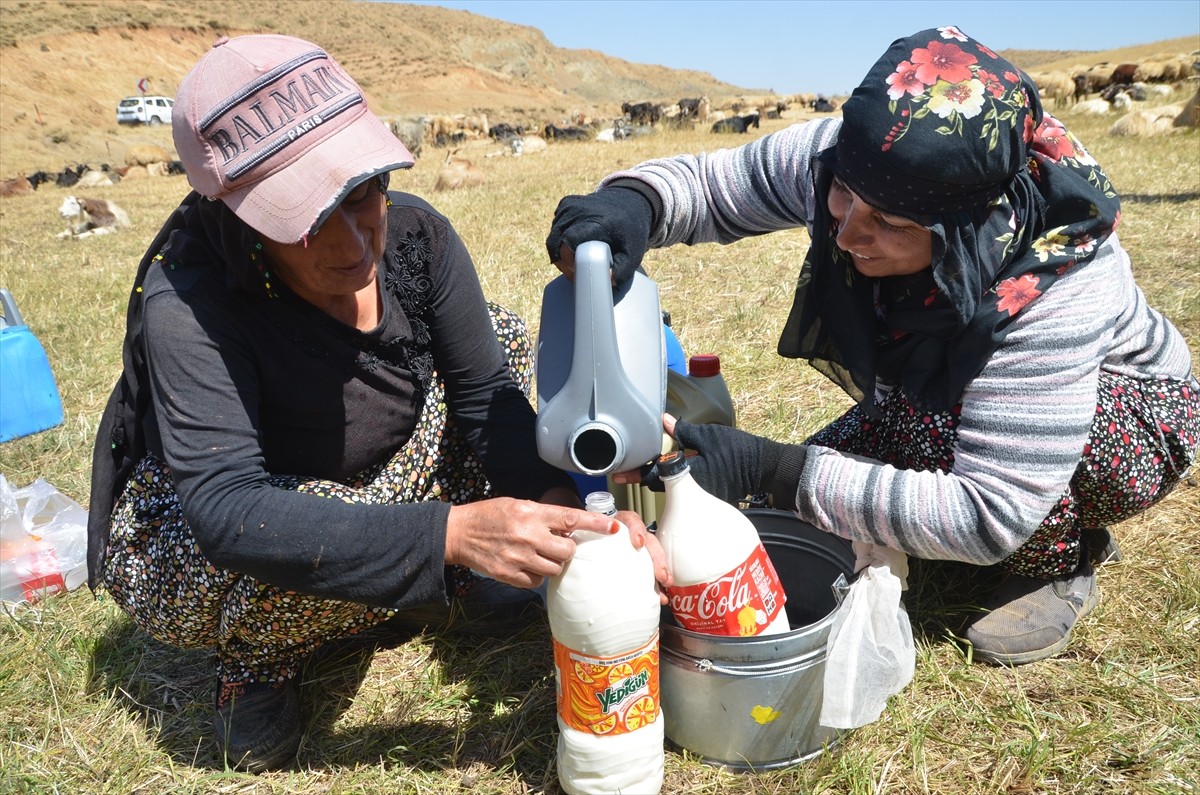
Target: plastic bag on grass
{"x": 870, "y": 654}
{"x": 43, "y": 542}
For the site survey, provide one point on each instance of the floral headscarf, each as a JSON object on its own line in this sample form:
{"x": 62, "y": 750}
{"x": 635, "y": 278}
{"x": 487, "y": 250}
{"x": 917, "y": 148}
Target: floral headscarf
{"x": 947, "y": 133}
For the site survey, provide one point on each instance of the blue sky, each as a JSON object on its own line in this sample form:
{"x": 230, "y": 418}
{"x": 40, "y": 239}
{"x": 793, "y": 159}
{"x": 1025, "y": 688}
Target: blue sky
{"x": 825, "y": 47}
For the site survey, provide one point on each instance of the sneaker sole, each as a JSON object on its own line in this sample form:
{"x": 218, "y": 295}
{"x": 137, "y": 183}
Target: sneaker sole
{"x": 1023, "y": 658}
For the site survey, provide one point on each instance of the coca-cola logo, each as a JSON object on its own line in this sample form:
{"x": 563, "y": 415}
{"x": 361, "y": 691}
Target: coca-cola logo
{"x": 716, "y": 599}
{"x": 742, "y": 601}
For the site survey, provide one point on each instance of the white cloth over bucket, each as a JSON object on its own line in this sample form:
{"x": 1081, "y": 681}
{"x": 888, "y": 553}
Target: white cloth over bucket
{"x": 870, "y": 652}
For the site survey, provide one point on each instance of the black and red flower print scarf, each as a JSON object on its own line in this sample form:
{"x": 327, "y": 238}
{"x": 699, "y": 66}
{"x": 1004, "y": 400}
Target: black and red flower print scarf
{"x": 947, "y": 133}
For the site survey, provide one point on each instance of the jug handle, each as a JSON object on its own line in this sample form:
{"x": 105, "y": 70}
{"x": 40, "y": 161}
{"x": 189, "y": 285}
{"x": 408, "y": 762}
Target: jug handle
{"x": 12, "y": 316}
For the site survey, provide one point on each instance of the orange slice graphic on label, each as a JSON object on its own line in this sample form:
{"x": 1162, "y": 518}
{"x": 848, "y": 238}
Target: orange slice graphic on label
{"x": 604, "y": 725}
{"x": 582, "y": 673}
{"x": 619, "y": 673}
{"x": 642, "y": 712}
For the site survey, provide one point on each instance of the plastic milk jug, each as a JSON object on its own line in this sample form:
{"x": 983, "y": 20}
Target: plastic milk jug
{"x": 604, "y": 616}
{"x": 601, "y": 369}
{"x": 725, "y": 583}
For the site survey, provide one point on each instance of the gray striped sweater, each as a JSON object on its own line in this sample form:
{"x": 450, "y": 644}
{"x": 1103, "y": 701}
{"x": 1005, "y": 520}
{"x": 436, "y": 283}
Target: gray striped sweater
{"x": 1025, "y": 417}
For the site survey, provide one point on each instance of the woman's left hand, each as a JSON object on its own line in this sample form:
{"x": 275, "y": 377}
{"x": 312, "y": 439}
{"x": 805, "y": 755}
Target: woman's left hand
{"x": 638, "y": 535}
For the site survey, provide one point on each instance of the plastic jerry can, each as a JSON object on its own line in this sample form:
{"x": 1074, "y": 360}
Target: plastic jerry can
{"x": 601, "y": 369}
{"x": 29, "y": 400}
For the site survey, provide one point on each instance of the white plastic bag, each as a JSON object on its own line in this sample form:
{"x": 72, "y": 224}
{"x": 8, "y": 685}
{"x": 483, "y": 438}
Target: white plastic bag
{"x": 43, "y": 542}
{"x": 870, "y": 654}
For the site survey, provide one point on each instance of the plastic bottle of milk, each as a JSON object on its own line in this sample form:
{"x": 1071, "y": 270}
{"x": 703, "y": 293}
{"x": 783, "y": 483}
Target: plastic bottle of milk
{"x": 604, "y": 615}
{"x": 725, "y": 583}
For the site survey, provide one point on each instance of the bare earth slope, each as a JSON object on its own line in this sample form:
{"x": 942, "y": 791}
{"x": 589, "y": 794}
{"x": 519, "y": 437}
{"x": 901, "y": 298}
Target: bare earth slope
{"x": 64, "y": 64}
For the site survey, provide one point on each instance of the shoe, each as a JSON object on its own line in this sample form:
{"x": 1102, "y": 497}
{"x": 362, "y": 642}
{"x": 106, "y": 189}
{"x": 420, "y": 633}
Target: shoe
{"x": 489, "y": 609}
{"x": 258, "y": 724}
{"x": 1101, "y": 546}
{"x": 1030, "y": 619}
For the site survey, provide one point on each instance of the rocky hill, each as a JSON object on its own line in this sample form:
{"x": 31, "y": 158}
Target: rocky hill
{"x": 64, "y": 64}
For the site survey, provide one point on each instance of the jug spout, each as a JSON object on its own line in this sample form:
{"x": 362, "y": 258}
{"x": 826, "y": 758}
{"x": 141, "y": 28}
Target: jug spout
{"x": 601, "y": 369}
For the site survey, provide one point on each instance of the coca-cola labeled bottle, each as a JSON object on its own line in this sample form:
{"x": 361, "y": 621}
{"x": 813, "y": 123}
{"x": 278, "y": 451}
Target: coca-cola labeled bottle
{"x": 725, "y": 583}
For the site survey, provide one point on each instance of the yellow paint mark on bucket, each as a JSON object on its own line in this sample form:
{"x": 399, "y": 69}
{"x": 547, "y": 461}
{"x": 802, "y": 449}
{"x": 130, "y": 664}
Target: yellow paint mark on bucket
{"x": 764, "y": 715}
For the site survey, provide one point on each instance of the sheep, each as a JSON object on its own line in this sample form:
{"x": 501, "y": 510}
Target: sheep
{"x": 1162, "y": 120}
{"x": 86, "y": 217}
{"x": 1092, "y": 107}
{"x": 145, "y": 154}
{"x": 527, "y": 145}
{"x": 1057, "y": 86}
{"x": 95, "y": 179}
{"x": 411, "y": 133}
{"x": 458, "y": 172}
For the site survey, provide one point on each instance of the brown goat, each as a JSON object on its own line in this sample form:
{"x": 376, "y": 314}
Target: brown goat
{"x": 458, "y": 172}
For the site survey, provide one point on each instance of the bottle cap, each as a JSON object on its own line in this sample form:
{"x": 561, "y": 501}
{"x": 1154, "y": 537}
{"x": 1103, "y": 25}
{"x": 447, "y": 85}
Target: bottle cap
{"x": 704, "y": 364}
{"x": 672, "y": 464}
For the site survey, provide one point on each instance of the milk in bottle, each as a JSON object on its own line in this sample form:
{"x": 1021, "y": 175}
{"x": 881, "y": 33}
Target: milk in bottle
{"x": 725, "y": 583}
{"x": 604, "y": 614}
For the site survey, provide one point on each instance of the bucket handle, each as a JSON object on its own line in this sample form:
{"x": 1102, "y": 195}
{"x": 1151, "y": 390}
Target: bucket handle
{"x": 840, "y": 588}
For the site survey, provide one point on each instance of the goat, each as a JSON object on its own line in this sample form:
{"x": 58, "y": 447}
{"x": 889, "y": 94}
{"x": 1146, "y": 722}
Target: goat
{"x": 642, "y": 112}
{"x": 458, "y": 172}
{"x": 568, "y": 133}
{"x": 736, "y": 124}
{"x": 17, "y": 186}
{"x": 86, "y": 217}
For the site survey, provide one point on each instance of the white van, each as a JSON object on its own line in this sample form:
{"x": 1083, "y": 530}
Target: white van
{"x": 144, "y": 110}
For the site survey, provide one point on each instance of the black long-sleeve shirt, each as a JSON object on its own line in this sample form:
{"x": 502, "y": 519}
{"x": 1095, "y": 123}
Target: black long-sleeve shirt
{"x": 245, "y": 386}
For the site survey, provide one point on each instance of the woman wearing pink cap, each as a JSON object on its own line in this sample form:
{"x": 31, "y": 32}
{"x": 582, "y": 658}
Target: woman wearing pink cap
{"x": 317, "y": 429}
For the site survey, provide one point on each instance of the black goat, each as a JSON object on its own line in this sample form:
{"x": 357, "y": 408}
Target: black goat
{"x": 736, "y": 124}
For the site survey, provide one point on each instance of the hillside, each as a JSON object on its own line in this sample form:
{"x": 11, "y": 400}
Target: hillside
{"x": 65, "y": 63}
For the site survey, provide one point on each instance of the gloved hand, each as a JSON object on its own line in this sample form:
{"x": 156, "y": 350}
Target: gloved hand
{"x": 732, "y": 464}
{"x": 620, "y": 217}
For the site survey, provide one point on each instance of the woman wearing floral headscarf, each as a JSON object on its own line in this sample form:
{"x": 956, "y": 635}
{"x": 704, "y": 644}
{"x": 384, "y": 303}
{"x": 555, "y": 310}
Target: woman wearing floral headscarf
{"x": 966, "y": 287}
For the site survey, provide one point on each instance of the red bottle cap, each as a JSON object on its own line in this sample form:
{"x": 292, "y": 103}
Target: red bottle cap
{"x": 704, "y": 364}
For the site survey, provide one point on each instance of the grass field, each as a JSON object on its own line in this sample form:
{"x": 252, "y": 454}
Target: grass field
{"x": 89, "y": 705}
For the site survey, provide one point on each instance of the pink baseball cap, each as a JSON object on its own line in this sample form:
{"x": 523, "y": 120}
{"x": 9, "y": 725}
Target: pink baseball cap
{"x": 275, "y": 128}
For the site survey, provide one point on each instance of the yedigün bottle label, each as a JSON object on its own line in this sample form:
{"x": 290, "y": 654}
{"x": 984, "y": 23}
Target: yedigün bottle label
{"x": 607, "y": 695}
{"x": 742, "y": 602}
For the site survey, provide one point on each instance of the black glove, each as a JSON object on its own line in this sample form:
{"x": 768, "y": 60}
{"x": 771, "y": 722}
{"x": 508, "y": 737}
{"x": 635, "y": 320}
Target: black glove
{"x": 620, "y": 217}
{"x": 732, "y": 464}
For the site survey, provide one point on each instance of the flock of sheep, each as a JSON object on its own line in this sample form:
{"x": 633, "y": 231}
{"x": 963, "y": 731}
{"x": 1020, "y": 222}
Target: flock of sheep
{"x": 1128, "y": 88}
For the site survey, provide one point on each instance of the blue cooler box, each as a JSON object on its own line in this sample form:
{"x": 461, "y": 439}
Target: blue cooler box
{"x": 29, "y": 400}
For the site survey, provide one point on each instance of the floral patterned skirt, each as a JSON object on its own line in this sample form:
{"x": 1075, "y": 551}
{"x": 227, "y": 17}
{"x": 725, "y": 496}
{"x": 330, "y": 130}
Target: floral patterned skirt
{"x": 1141, "y": 443}
{"x": 157, "y": 574}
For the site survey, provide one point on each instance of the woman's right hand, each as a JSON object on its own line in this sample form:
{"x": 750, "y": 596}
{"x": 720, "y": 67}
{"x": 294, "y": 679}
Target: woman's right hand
{"x": 518, "y": 542}
{"x": 620, "y": 217}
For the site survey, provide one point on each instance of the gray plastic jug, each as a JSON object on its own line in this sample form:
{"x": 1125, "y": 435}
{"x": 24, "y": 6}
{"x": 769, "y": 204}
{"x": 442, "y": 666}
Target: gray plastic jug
{"x": 601, "y": 369}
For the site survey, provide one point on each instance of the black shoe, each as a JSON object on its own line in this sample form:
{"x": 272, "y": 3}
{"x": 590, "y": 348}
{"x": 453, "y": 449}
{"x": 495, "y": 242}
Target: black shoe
{"x": 258, "y": 724}
{"x": 1101, "y": 546}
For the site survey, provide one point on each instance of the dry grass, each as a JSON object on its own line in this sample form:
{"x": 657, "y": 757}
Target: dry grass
{"x": 89, "y": 705}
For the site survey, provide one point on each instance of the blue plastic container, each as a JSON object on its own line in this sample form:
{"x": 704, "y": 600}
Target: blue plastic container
{"x": 29, "y": 400}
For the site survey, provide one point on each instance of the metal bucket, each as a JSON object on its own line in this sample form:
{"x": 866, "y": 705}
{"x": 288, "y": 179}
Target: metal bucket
{"x": 753, "y": 703}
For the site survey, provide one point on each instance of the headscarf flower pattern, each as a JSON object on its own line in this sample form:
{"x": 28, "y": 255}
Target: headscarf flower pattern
{"x": 945, "y": 79}
{"x": 944, "y": 131}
